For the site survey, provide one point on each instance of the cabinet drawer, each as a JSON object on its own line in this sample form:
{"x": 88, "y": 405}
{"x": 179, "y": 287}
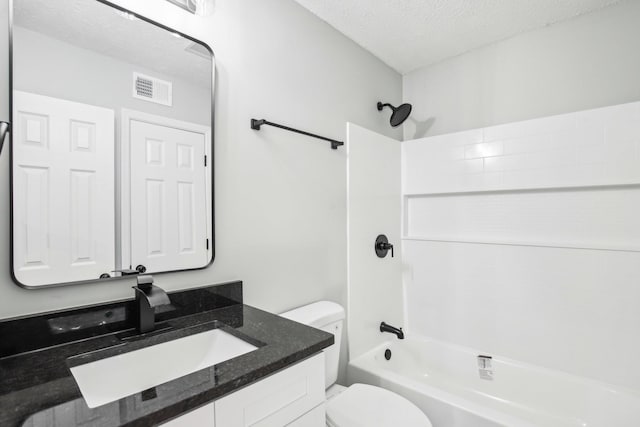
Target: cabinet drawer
{"x": 276, "y": 400}
{"x": 201, "y": 417}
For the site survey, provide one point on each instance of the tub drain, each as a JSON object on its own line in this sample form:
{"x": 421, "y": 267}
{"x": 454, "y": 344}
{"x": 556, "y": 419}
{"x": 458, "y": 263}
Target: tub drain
{"x": 387, "y": 354}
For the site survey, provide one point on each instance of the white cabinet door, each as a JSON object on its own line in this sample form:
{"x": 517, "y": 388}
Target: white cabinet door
{"x": 314, "y": 418}
{"x": 277, "y": 400}
{"x": 168, "y": 197}
{"x": 63, "y": 190}
{"x": 293, "y": 397}
{"x": 201, "y": 417}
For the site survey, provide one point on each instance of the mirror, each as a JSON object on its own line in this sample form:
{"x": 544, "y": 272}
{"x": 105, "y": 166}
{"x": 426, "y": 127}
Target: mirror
{"x": 111, "y": 151}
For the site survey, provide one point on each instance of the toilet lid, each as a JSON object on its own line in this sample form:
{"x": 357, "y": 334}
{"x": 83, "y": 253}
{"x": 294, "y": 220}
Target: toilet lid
{"x": 368, "y": 406}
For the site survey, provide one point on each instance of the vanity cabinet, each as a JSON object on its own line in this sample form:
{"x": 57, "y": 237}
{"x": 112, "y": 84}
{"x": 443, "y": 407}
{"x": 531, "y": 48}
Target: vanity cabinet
{"x": 314, "y": 418}
{"x": 293, "y": 397}
{"x": 74, "y": 413}
{"x": 201, "y": 417}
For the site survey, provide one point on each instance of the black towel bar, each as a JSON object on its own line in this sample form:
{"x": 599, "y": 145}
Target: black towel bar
{"x": 255, "y": 125}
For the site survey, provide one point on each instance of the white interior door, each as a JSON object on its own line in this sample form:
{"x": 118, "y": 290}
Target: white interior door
{"x": 168, "y": 198}
{"x": 63, "y": 190}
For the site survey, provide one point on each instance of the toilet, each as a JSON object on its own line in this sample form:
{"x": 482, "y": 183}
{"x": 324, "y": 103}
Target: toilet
{"x": 360, "y": 405}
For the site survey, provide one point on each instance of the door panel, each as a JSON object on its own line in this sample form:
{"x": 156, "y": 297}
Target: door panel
{"x": 63, "y": 159}
{"x": 168, "y": 197}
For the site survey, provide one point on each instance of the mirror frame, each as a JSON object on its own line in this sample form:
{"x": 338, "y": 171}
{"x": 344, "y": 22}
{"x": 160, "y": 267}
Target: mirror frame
{"x": 110, "y": 280}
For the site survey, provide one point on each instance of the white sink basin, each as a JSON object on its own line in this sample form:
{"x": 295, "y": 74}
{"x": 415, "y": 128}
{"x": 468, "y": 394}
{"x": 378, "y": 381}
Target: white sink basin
{"x": 111, "y": 379}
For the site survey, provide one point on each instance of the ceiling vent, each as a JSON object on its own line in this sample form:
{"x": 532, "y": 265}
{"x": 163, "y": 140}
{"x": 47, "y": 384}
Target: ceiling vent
{"x": 153, "y": 90}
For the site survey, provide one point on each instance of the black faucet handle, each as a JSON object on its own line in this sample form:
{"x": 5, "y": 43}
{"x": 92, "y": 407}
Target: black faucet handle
{"x": 145, "y": 282}
{"x": 153, "y": 295}
{"x": 390, "y": 246}
{"x": 382, "y": 246}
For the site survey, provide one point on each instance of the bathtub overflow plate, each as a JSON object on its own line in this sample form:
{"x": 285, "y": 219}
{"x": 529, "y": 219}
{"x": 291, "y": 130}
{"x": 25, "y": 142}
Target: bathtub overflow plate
{"x": 485, "y": 367}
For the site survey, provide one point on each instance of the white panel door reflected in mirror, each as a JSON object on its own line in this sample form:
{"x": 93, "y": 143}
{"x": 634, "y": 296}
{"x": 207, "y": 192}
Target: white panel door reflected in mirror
{"x": 168, "y": 199}
{"x": 112, "y": 166}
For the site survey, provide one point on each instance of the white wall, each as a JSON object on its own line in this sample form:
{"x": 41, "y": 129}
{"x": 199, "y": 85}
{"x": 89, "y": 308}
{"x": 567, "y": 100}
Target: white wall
{"x": 588, "y": 62}
{"x": 522, "y": 240}
{"x": 280, "y": 198}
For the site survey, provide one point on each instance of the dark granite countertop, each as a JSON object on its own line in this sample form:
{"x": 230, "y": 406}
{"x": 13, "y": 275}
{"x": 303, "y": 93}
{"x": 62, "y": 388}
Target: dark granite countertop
{"x": 37, "y": 388}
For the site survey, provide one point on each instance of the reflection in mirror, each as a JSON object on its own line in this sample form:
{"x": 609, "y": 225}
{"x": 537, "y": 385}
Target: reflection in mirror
{"x": 112, "y": 144}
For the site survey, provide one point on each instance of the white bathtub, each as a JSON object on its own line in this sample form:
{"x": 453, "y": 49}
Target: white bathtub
{"x": 443, "y": 380}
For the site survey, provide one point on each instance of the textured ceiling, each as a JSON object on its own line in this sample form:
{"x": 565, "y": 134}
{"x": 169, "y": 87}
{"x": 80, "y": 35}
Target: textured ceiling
{"x": 94, "y": 26}
{"x": 409, "y": 34}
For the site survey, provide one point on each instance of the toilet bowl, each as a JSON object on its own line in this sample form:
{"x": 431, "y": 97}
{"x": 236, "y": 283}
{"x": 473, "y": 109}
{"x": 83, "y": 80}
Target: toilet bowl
{"x": 360, "y": 405}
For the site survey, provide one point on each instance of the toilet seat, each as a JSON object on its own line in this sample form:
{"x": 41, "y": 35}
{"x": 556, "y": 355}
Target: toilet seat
{"x": 363, "y": 405}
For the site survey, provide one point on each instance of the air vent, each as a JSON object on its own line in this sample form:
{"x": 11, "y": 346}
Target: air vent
{"x": 151, "y": 89}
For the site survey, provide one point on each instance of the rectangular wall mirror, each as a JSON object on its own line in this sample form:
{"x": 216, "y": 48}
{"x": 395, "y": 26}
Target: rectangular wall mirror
{"x": 111, "y": 151}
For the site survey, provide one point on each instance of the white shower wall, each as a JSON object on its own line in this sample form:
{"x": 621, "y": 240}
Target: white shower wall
{"x": 523, "y": 240}
{"x": 373, "y": 208}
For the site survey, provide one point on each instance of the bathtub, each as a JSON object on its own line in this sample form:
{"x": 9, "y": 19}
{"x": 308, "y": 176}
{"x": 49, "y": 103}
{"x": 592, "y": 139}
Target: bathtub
{"x": 444, "y": 381}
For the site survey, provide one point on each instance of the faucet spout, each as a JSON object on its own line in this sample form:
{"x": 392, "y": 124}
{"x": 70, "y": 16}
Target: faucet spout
{"x": 148, "y": 297}
{"x": 388, "y": 328}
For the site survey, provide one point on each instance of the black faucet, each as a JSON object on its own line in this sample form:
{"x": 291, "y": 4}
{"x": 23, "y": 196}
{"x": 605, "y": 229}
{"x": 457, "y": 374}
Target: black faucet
{"x": 388, "y": 328}
{"x": 148, "y": 297}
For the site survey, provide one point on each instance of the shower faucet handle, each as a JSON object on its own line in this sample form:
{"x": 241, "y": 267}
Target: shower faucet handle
{"x": 387, "y": 246}
{"x": 382, "y": 246}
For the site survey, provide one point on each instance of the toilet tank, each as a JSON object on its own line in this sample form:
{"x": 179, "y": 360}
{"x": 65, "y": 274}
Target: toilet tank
{"x": 329, "y": 317}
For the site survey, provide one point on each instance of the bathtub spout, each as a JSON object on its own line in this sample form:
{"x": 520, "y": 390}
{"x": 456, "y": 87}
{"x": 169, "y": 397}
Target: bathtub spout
{"x": 388, "y": 328}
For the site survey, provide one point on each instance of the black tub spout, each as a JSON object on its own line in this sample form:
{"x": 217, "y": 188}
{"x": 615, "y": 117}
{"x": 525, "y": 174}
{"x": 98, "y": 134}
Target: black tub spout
{"x": 388, "y": 328}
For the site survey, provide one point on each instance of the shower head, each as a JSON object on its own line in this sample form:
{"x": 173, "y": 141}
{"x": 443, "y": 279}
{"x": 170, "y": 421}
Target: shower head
{"x": 399, "y": 115}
